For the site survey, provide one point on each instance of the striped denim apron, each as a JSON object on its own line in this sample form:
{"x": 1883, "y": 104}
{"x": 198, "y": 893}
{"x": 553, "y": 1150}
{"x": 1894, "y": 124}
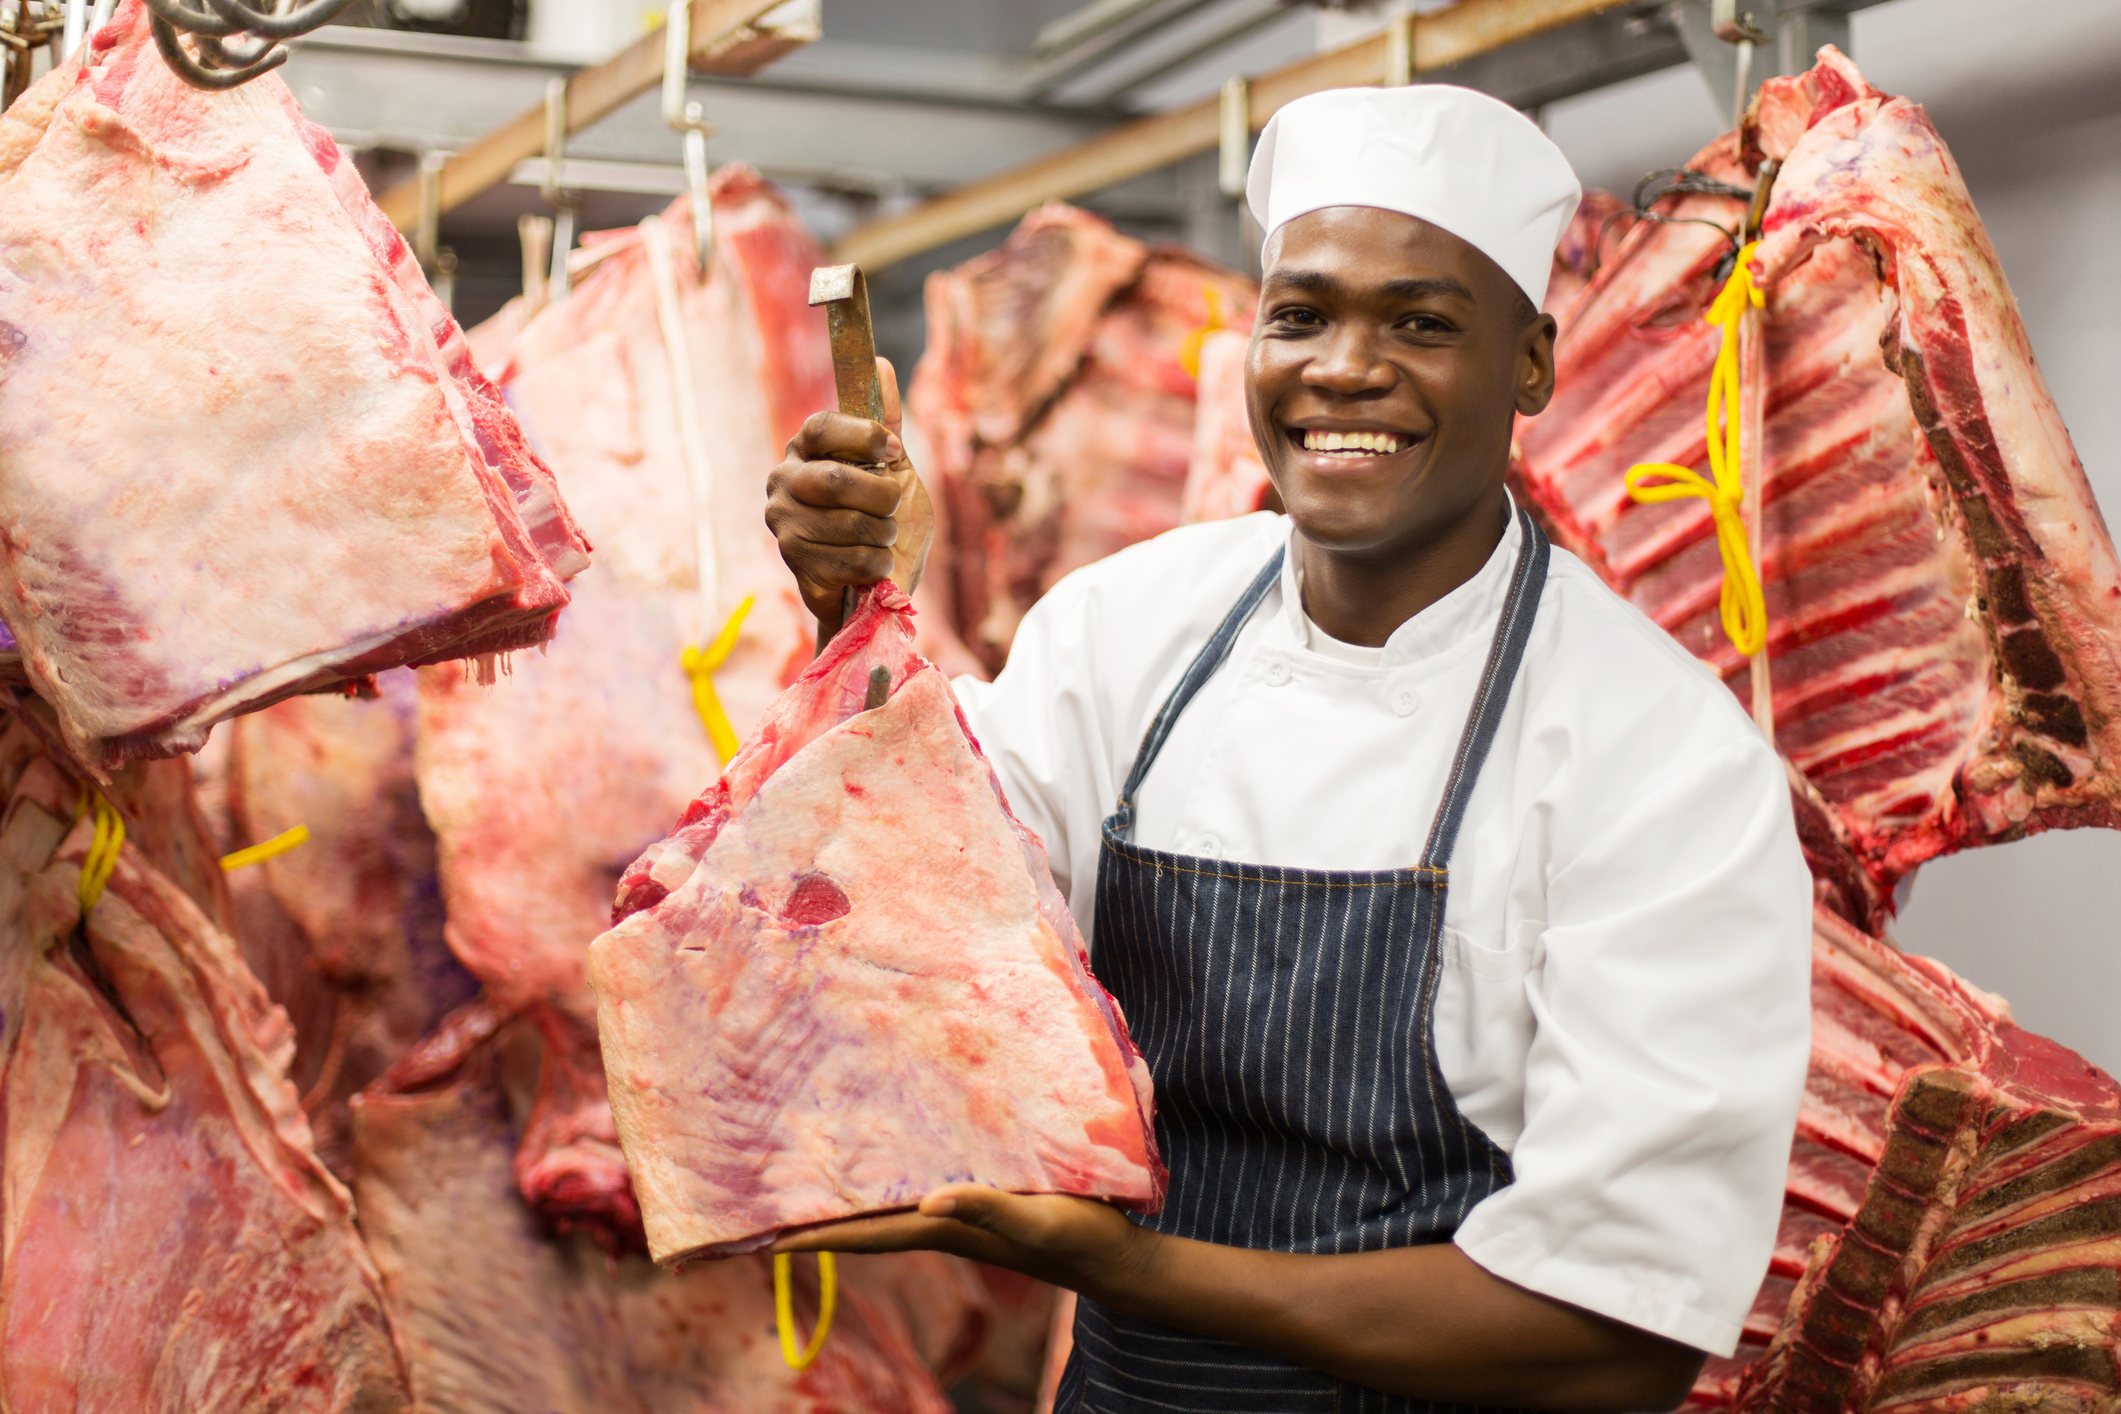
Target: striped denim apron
{"x": 1286, "y": 1016}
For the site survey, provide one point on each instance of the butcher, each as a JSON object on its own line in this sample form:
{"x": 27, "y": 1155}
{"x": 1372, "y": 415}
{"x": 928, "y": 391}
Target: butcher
{"x": 1458, "y": 911}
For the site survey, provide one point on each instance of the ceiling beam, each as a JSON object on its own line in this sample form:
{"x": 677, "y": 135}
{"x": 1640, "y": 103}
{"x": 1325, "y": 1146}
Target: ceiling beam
{"x": 724, "y": 41}
{"x": 1442, "y": 39}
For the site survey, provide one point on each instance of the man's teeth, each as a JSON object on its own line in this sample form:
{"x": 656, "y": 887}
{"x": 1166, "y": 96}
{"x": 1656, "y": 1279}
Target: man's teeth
{"x": 1353, "y": 443}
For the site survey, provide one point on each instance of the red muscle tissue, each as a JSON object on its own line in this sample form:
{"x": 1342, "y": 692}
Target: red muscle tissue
{"x": 847, "y": 978}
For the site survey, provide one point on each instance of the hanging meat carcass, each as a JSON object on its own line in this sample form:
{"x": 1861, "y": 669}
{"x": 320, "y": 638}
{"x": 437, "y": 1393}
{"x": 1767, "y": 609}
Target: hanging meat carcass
{"x": 1952, "y": 1219}
{"x": 848, "y": 979}
{"x": 199, "y": 515}
{"x": 500, "y": 1318}
{"x": 171, "y": 1243}
{"x": 1944, "y": 605}
{"x": 345, "y": 931}
{"x": 1942, "y": 641}
{"x": 1057, "y": 395}
{"x": 662, "y": 399}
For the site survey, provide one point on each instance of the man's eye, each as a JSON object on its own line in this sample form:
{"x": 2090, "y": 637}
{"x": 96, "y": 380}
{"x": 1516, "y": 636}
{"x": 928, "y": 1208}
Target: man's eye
{"x": 1300, "y": 317}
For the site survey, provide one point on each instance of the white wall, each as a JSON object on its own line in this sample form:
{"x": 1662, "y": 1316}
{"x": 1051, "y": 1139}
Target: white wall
{"x": 2028, "y": 95}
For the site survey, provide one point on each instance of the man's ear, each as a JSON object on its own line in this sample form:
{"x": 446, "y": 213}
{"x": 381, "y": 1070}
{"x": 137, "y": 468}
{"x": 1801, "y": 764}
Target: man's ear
{"x": 1535, "y": 366}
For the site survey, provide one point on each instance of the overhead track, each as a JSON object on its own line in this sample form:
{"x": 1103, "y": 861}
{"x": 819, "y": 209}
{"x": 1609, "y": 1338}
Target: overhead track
{"x": 1438, "y": 40}
{"x": 726, "y": 40}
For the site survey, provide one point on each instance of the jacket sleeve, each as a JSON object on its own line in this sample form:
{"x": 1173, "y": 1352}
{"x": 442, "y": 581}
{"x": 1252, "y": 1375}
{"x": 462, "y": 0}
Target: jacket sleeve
{"x": 1672, "y": 1017}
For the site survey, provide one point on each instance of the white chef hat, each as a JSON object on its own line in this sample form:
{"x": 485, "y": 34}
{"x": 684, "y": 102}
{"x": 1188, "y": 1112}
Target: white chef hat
{"x": 1457, "y": 159}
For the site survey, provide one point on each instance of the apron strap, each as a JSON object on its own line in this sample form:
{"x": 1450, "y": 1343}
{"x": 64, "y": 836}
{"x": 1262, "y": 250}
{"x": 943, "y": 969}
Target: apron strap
{"x": 1512, "y": 631}
{"x": 1203, "y": 667}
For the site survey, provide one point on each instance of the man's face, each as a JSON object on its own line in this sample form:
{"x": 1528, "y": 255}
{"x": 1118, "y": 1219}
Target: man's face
{"x": 1386, "y": 365}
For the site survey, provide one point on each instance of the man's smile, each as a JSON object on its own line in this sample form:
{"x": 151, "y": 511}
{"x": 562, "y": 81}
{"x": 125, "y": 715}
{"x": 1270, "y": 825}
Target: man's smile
{"x": 1349, "y": 447}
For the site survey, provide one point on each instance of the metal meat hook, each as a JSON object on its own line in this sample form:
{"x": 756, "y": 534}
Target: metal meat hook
{"x": 233, "y": 42}
{"x": 690, "y": 119}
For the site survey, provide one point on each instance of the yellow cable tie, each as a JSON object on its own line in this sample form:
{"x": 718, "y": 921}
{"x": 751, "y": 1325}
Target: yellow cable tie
{"x": 266, "y": 849}
{"x": 1189, "y": 351}
{"x": 101, "y": 861}
{"x": 1744, "y": 603}
{"x": 700, "y": 664}
{"x": 784, "y": 1308}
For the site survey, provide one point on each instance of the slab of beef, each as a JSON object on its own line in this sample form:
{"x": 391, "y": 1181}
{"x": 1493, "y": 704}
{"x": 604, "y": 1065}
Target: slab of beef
{"x": 542, "y": 787}
{"x": 169, "y": 1240}
{"x": 1225, "y": 477}
{"x": 1057, "y": 394}
{"x": 346, "y": 930}
{"x": 848, "y": 978}
{"x": 243, "y": 450}
{"x": 1954, "y": 1208}
{"x": 1943, "y": 599}
{"x": 500, "y": 1318}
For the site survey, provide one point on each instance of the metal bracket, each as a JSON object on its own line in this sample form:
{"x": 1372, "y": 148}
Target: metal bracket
{"x": 565, "y": 204}
{"x": 690, "y": 119}
{"x": 1236, "y": 136}
{"x": 1399, "y": 51}
{"x": 1735, "y": 26}
{"x": 1736, "y": 45}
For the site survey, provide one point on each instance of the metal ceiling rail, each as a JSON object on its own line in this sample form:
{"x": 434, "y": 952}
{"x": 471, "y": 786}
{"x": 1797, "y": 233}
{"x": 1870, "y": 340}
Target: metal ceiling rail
{"x": 1438, "y": 40}
{"x": 725, "y": 41}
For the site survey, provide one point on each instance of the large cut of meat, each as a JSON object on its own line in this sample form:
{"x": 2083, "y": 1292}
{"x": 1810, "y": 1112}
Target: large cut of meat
{"x": 1057, "y": 394}
{"x": 848, "y": 979}
{"x": 243, "y": 450}
{"x": 1954, "y": 1208}
{"x": 1943, "y": 599}
{"x": 543, "y": 786}
{"x": 1225, "y": 476}
{"x": 170, "y": 1242}
{"x": 346, "y": 930}
{"x": 498, "y": 1318}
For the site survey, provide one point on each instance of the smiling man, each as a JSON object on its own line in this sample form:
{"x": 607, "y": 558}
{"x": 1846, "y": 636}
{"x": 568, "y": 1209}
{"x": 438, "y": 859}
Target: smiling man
{"x": 1457, "y": 910}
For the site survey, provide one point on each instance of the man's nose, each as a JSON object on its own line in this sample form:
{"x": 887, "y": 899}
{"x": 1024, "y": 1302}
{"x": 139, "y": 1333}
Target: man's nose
{"x": 1349, "y": 364}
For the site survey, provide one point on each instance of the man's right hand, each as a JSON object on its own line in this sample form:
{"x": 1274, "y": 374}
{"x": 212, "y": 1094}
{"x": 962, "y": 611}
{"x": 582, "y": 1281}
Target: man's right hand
{"x": 848, "y": 508}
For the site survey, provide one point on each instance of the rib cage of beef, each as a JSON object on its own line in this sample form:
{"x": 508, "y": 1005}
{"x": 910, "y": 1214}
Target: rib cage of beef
{"x": 1943, "y": 598}
{"x": 1945, "y": 624}
{"x": 1057, "y": 399}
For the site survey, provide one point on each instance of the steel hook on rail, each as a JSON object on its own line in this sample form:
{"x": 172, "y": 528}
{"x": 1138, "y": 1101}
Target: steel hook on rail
{"x": 689, "y": 118}
{"x": 231, "y": 42}
{"x": 566, "y": 205}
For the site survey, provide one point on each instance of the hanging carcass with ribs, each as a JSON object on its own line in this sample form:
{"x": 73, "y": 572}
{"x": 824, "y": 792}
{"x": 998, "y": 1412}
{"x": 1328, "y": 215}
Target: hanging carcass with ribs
{"x": 1057, "y": 398}
{"x": 1943, "y": 644}
{"x": 1944, "y": 605}
{"x": 243, "y": 450}
{"x": 661, "y": 395}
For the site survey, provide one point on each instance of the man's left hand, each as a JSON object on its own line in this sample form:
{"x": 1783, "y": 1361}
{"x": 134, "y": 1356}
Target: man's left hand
{"x": 1077, "y": 1243}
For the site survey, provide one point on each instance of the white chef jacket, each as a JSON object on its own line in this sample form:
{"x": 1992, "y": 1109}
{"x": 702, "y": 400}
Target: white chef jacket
{"x": 1625, "y": 1002}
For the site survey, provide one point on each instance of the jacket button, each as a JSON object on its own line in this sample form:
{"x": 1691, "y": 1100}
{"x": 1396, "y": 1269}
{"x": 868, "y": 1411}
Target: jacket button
{"x": 1404, "y": 702}
{"x": 1277, "y": 673}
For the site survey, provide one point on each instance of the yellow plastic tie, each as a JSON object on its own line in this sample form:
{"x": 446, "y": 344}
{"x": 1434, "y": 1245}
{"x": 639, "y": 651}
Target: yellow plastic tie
{"x": 1189, "y": 351}
{"x": 700, "y": 665}
{"x": 266, "y": 849}
{"x": 828, "y": 1296}
{"x": 101, "y": 860}
{"x": 1744, "y": 604}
